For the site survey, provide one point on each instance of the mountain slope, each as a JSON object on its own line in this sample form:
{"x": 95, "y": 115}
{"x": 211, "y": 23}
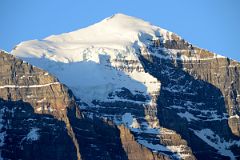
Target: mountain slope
{"x": 150, "y": 80}
{"x": 39, "y": 119}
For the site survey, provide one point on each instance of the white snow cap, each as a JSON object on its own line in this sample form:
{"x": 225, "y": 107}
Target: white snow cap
{"x": 89, "y": 60}
{"x": 92, "y": 60}
{"x": 117, "y": 32}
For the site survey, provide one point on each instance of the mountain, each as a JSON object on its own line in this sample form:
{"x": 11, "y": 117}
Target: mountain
{"x": 161, "y": 92}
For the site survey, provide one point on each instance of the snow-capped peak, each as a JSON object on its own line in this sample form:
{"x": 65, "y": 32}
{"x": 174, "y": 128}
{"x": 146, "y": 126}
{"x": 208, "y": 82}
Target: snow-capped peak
{"x": 99, "y": 59}
{"x": 118, "y": 29}
{"x": 116, "y": 32}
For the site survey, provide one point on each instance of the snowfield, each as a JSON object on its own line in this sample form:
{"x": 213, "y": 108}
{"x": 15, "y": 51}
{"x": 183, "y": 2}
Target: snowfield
{"x": 91, "y": 61}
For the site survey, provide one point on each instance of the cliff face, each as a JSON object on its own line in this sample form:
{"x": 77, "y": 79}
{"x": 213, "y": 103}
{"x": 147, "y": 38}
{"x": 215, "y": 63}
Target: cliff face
{"x": 221, "y": 72}
{"x": 224, "y": 74}
{"x": 134, "y": 150}
{"x": 27, "y": 92}
{"x": 28, "y": 135}
{"x": 198, "y": 97}
{"x": 41, "y": 120}
{"x": 21, "y": 81}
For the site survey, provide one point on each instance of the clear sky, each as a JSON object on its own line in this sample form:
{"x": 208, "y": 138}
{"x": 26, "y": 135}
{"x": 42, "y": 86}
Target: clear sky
{"x": 209, "y": 24}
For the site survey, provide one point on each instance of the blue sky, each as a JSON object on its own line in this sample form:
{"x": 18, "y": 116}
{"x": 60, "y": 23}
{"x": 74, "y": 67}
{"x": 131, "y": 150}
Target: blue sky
{"x": 209, "y": 24}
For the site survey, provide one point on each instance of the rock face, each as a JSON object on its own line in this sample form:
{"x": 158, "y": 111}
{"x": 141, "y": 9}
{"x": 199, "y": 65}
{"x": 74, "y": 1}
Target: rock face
{"x": 40, "y": 120}
{"x": 192, "y": 107}
{"x": 134, "y": 150}
{"x": 28, "y": 135}
{"x": 21, "y": 81}
{"x": 156, "y": 95}
{"x": 224, "y": 74}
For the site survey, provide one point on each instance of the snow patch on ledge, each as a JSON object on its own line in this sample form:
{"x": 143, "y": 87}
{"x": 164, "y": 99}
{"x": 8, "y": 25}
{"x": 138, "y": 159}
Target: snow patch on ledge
{"x": 218, "y": 143}
{"x": 154, "y": 147}
{"x": 33, "y": 135}
{"x": 30, "y": 86}
{"x": 160, "y": 148}
{"x": 234, "y": 116}
{"x": 188, "y": 116}
{"x": 130, "y": 121}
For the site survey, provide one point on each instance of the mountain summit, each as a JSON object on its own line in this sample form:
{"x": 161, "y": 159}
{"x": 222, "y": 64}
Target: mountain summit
{"x": 116, "y": 32}
{"x": 175, "y": 99}
{"x": 93, "y": 50}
